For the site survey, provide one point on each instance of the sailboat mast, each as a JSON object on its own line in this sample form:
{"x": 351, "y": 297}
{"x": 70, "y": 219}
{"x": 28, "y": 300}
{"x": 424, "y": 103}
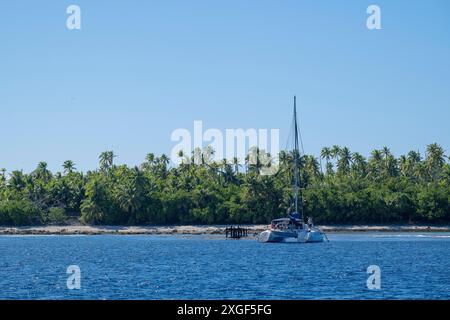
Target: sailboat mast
{"x": 296, "y": 154}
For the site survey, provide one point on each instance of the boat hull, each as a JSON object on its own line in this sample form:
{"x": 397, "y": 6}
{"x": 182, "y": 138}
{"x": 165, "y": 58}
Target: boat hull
{"x": 315, "y": 235}
{"x": 302, "y": 236}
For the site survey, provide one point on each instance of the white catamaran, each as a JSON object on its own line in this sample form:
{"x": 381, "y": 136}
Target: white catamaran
{"x": 293, "y": 227}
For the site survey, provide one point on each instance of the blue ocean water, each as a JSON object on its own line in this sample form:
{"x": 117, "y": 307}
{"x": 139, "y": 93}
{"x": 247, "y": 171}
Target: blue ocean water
{"x": 413, "y": 266}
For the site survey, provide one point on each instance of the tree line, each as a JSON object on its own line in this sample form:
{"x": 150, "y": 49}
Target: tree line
{"x": 339, "y": 187}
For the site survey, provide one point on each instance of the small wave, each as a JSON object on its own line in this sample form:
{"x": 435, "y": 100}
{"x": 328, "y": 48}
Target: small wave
{"x": 410, "y": 236}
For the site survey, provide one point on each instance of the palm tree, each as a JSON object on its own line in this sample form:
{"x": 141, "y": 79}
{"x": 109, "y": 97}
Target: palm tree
{"x": 41, "y": 172}
{"x": 17, "y": 180}
{"x": 3, "y": 175}
{"x": 208, "y": 155}
{"x": 375, "y": 164}
{"x": 386, "y": 152}
{"x": 149, "y": 162}
{"x": 106, "y": 160}
{"x": 325, "y": 153}
{"x": 345, "y": 159}
{"x": 254, "y": 159}
{"x": 227, "y": 170}
{"x": 404, "y": 165}
{"x": 268, "y": 164}
{"x": 391, "y": 168}
{"x": 377, "y": 156}
{"x": 286, "y": 162}
{"x": 224, "y": 163}
{"x": 435, "y": 160}
{"x": 181, "y": 155}
{"x": 421, "y": 171}
{"x": 90, "y": 212}
{"x": 130, "y": 194}
{"x": 69, "y": 166}
{"x": 335, "y": 151}
{"x": 236, "y": 164}
{"x": 312, "y": 166}
{"x": 164, "y": 160}
{"x": 414, "y": 157}
{"x": 359, "y": 164}
{"x": 415, "y": 170}
{"x": 161, "y": 165}
{"x": 197, "y": 156}
{"x": 390, "y": 165}
{"x": 150, "y": 157}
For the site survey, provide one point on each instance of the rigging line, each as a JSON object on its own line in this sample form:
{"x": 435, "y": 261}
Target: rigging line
{"x": 289, "y": 139}
{"x": 301, "y": 140}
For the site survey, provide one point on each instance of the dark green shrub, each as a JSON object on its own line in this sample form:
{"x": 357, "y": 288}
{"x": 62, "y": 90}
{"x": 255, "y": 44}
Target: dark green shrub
{"x": 56, "y": 215}
{"x": 19, "y": 212}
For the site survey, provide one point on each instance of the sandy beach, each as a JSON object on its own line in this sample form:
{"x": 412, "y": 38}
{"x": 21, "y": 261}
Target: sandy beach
{"x": 198, "y": 229}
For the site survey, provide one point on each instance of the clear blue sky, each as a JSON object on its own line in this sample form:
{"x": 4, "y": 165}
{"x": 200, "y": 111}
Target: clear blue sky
{"x": 137, "y": 70}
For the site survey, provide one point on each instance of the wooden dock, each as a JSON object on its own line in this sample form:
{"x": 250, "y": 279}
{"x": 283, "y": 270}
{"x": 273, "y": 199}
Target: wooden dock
{"x": 235, "y": 232}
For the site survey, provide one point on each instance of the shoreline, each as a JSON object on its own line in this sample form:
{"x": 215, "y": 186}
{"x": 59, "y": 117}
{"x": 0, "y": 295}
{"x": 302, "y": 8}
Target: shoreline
{"x": 199, "y": 229}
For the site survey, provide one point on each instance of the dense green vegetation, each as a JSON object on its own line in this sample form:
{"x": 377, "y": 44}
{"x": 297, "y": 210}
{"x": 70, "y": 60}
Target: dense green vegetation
{"x": 349, "y": 189}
